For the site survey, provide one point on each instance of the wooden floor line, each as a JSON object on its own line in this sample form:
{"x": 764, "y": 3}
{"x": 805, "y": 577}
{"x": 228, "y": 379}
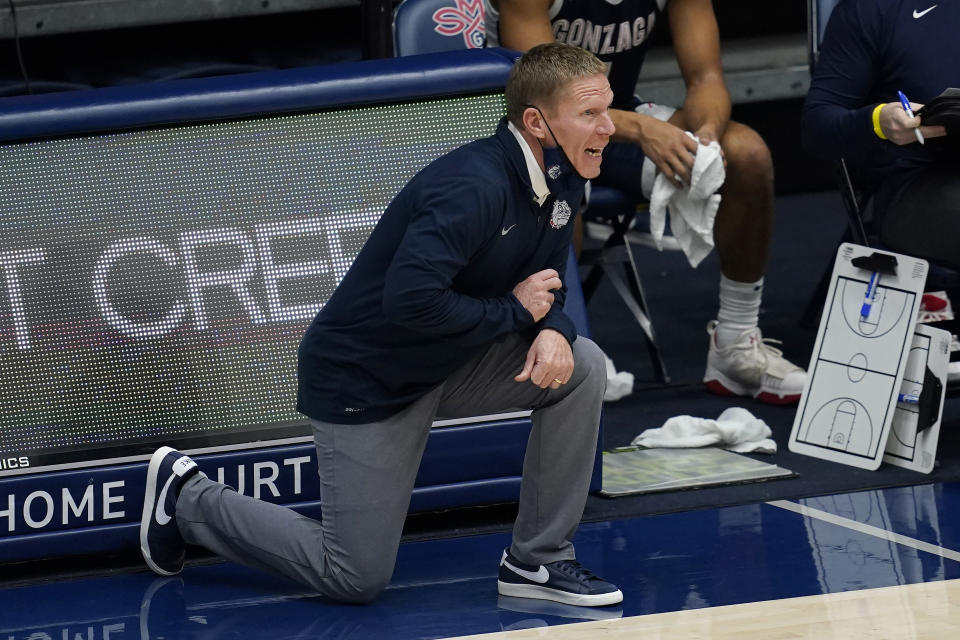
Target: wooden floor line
{"x": 923, "y": 611}
{"x": 867, "y": 529}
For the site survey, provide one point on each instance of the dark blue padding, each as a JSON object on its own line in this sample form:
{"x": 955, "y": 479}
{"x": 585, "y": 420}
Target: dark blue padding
{"x": 254, "y": 94}
{"x": 109, "y": 538}
{"x": 470, "y": 452}
{"x": 463, "y": 465}
{"x": 575, "y": 306}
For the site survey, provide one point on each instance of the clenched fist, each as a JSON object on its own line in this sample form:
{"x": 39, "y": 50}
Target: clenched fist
{"x": 534, "y": 293}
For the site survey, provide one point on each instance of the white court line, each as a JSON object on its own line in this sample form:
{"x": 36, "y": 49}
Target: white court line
{"x": 868, "y": 529}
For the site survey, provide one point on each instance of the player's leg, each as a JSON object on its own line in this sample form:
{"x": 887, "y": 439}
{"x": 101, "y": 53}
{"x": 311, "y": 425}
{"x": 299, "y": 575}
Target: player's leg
{"x": 739, "y": 361}
{"x": 744, "y": 225}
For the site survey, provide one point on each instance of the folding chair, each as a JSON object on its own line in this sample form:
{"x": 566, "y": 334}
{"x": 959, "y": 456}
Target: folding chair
{"x": 615, "y": 259}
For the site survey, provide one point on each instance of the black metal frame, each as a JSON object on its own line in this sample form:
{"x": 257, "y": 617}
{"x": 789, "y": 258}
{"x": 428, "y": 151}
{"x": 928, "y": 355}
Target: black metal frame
{"x": 376, "y": 29}
{"x": 614, "y": 253}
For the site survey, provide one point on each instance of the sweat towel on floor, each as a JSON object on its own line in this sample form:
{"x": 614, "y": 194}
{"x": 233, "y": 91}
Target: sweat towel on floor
{"x": 736, "y": 429}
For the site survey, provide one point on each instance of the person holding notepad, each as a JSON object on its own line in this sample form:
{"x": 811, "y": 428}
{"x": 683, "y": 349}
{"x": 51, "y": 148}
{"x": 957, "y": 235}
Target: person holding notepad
{"x": 880, "y": 62}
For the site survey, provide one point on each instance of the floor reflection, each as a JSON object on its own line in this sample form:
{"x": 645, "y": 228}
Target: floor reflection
{"x": 445, "y": 588}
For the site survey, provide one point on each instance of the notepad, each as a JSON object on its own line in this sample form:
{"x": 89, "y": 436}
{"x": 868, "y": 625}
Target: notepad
{"x": 631, "y": 470}
{"x": 943, "y": 110}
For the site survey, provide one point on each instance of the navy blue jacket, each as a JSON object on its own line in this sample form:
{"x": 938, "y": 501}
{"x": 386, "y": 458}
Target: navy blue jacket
{"x": 872, "y": 48}
{"x": 432, "y": 286}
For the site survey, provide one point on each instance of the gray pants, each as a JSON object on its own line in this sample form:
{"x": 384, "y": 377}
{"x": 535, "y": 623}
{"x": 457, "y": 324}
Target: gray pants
{"x": 367, "y": 473}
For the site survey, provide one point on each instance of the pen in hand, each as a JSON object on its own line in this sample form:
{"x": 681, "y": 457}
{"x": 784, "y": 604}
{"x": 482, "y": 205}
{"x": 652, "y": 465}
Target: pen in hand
{"x": 906, "y": 107}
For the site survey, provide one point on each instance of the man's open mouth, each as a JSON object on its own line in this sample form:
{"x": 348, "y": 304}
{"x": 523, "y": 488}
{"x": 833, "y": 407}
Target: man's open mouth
{"x": 594, "y": 152}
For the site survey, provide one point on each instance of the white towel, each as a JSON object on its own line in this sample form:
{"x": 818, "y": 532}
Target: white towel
{"x": 619, "y": 383}
{"x": 692, "y": 208}
{"x": 735, "y": 429}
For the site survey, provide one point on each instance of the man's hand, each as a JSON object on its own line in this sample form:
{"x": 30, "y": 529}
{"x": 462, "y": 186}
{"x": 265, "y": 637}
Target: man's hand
{"x": 706, "y": 135}
{"x": 534, "y": 292}
{"x": 668, "y": 147}
{"x": 898, "y": 126}
{"x": 549, "y": 361}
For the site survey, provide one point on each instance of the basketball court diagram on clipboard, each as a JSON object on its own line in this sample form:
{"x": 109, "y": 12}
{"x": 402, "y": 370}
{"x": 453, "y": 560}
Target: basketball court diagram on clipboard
{"x": 846, "y": 410}
{"x": 916, "y": 426}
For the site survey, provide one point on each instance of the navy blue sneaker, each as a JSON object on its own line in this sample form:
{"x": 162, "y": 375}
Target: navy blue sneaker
{"x": 160, "y": 541}
{"x": 565, "y": 581}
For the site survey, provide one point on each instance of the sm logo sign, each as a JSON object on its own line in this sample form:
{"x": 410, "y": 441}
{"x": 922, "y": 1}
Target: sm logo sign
{"x": 466, "y": 18}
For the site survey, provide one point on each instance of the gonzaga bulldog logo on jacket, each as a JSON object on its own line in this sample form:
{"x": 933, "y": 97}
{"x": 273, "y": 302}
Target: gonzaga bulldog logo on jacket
{"x": 561, "y": 214}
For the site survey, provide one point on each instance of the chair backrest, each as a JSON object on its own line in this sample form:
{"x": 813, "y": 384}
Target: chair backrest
{"x": 430, "y": 26}
{"x": 818, "y": 14}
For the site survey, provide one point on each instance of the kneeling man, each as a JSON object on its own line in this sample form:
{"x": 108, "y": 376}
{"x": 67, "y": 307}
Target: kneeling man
{"x": 453, "y": 308}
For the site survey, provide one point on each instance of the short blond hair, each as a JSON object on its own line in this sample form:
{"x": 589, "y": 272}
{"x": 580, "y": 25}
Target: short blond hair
{"x": 542, "y": 72}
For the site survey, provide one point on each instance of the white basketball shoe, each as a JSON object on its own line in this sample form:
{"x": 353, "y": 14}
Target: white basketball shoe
{"x": 751, "y": 367}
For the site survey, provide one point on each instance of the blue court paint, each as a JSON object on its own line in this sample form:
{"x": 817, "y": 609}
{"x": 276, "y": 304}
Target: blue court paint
{"x": 446, "y": 588}
{"x": 919, "y": 511}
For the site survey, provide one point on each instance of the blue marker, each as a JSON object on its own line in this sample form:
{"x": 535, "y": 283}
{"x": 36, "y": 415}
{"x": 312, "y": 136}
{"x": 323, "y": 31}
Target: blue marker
{"x": 870, "y": 295}
{"x": 906, "y": 107}
{"x": 908, "y": 398}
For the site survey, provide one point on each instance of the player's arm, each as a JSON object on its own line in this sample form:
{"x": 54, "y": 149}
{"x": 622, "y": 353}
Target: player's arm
{"x": 696, "y": 42}
{"x": 524, "y": 23}
{"x": 837, "y": 120}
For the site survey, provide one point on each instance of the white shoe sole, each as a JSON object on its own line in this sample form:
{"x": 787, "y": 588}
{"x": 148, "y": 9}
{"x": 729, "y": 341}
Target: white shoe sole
{"x": 714, "y": 378}
{"x": 543, "y": 593}
{"x": 713, "y": 374}
{"x": 149, "y": 502}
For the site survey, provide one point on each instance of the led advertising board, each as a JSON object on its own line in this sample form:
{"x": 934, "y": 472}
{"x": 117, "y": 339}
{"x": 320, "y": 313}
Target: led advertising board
{"x": 157, "y": 282}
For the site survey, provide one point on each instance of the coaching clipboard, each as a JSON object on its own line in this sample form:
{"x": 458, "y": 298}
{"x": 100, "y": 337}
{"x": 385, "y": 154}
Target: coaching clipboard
{"x": 857, "y": 366}
{"x": 912, "y": 443}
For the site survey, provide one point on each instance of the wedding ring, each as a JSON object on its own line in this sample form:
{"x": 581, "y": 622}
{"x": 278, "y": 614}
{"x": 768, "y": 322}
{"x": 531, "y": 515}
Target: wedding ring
{"x": 558, "y": 380}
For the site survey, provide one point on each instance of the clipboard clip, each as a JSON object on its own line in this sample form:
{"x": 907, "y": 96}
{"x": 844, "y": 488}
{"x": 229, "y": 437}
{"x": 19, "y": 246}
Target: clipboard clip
{"x": 930, "y": 402}
{"x": 876, "y": 263}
